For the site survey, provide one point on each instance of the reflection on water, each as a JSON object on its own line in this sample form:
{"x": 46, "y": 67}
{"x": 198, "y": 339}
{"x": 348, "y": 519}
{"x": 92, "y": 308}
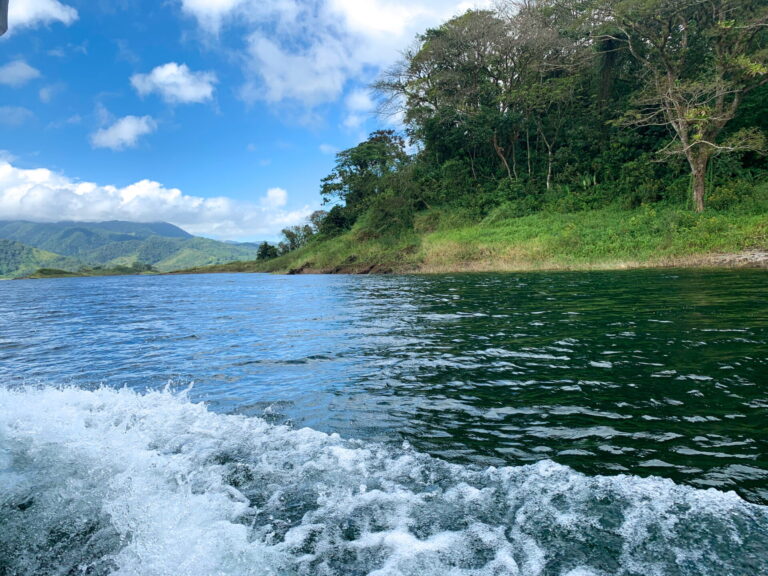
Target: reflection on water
{"x": 648, "y": 373}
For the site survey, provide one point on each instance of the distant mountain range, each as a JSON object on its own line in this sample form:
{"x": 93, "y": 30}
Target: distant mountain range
{"x": 27, "y": 246}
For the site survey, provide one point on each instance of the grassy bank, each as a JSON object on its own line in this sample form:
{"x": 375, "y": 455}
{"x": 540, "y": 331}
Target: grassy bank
{"x": 442, "y": 241}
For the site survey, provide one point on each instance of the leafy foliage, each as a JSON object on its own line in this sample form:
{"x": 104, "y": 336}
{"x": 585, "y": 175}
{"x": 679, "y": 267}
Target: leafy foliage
{"x": 267, "y": 251}
{"x": 562, "y": 106}
{"x": 17, "y": 259}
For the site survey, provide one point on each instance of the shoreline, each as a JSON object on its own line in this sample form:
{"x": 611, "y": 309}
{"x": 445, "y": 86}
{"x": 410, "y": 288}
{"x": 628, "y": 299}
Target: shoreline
{"x": 756, "y": 259}
{"x": 746, "y": 260}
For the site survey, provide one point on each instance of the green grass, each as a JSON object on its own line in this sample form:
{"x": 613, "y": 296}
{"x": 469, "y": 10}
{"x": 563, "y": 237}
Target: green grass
{"x": 611, "y": 238}
{"x": 346, "y": 253}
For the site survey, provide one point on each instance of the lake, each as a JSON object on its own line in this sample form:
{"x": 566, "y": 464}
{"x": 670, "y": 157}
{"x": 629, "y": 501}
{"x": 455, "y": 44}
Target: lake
{"x": 568, "y": 424}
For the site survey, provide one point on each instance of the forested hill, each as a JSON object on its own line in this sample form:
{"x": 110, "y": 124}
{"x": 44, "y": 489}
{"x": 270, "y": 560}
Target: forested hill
{"x": 614, "y": 130}
{"x": 79, "y": 238}
{"x": 17, "y": 259}
{"x": 70, "y": 246}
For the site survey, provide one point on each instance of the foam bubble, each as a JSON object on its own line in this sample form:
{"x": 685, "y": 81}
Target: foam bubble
{"x": 115, "y": 482}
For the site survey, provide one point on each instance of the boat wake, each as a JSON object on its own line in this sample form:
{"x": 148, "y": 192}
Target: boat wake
{"x": 116, "y": 482}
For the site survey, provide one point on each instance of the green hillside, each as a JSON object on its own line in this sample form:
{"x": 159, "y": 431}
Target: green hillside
{"x": 79, "y": 239}
{"x": 71, "y": 246}
{"x": 17, "y": 259}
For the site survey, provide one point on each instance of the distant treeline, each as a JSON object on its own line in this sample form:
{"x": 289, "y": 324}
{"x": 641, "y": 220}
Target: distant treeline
{"x": 565, "y": 105}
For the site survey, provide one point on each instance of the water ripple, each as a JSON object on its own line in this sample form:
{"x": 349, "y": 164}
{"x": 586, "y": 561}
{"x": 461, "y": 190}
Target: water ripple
{"x": 642, "y": 372}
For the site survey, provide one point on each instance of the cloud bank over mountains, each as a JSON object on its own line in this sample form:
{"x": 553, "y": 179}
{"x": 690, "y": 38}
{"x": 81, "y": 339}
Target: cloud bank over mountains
{"x": 45, "y": 196}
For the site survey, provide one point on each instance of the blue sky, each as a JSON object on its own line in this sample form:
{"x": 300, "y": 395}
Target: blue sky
{"x": 220, "y": 116}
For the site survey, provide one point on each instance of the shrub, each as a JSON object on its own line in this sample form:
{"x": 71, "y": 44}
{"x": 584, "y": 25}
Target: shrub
{"x": 387, "y": 214}
{"x": 729, "y": 195}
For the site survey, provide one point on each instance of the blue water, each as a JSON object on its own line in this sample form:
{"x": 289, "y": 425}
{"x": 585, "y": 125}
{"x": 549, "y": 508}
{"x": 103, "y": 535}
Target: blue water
{"x": 623, "y": 417}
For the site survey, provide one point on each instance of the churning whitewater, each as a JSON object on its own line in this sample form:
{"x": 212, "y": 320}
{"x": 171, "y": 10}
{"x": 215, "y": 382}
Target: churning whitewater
{"x": 117, "y": 482}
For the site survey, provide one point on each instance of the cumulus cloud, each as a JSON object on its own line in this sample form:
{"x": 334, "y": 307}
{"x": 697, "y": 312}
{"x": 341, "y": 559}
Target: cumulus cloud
{"x": 31, "y": 13}
{"x": 14, "y": 115}
{"x": 17, "y": 73}
{"x": 43, "y": 195}
{"x": 124, "y": 133}
{"x": 307, "y": 51}
{"x": 314, "y": 76}
{"x": 275, "y": 198}
{"x": 176, "y": 84}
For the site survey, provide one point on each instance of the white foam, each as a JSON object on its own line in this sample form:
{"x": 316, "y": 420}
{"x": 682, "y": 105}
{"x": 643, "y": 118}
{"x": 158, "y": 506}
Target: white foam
{"x": 117, "y": 482}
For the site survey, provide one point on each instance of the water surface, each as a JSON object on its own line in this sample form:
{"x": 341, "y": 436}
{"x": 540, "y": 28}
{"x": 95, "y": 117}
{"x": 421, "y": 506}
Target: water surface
{"x": 573, "y": 387}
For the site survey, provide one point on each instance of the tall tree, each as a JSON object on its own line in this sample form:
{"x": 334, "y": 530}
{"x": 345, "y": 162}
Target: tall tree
{"x": 699, "y": 58}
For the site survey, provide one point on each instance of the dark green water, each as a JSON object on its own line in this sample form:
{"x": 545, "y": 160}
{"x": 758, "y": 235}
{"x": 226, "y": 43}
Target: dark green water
{"x": 646, "y": 373}
{"x": 613, "y": 377}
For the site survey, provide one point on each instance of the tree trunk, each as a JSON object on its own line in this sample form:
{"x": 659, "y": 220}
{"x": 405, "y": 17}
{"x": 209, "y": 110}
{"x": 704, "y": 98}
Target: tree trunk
{"x": 528, "y": 151}
{"x": 514, "y": 157}
{"x": 699, "y": 161}
{"x": 500, "y": 152}
{"x": 549, "y": 167}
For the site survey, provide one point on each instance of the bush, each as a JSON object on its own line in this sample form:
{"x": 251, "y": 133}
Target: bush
{"x": 524, "y": 206}
{"x": 338, "y": 220}
{"x": 729, "y": 195}
{"x": 387, "y": 214}
{"x": 267, "y": 251}
{"x": 441, "y": 219}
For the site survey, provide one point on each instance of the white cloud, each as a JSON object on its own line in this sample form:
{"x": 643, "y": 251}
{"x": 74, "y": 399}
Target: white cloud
{"x": 43, "y": 195}
{"x": 312, "y": 77}
{"x": 14, "y": 115}
{"x": 176, "y": 83}
{"x": 210, "y": 13}
{"x": 124, "y": 133}
{"x": 31, "y": 13}
{"x": 275, "y": 198}
{"x": 328, "y": 149}
{"x": 17, "y": 73}
{"x": 307, "y": 51}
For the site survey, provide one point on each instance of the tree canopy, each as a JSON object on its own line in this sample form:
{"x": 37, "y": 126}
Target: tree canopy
{"x": 565, "y": 105}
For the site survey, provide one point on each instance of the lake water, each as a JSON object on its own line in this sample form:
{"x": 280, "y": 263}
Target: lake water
{"x": 538, "y": 424}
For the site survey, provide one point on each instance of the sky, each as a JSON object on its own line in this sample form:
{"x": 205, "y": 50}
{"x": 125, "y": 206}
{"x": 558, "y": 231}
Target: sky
{"x": 219, "y": 116}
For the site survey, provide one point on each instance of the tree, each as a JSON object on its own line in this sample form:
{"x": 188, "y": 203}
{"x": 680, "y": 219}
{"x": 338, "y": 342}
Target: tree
{"x": 475, "y": 84}
{"x": 316, "y": 220}
{"x": 267, "y": 251}
{"x": 362, "y": 173}
{"x": 699, "y": 58}
{"x": 450, "y": 87}
{"x": 294, "y": 237}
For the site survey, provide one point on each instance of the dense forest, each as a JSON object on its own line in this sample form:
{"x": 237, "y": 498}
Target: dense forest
{"x": 563, "y": 106}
